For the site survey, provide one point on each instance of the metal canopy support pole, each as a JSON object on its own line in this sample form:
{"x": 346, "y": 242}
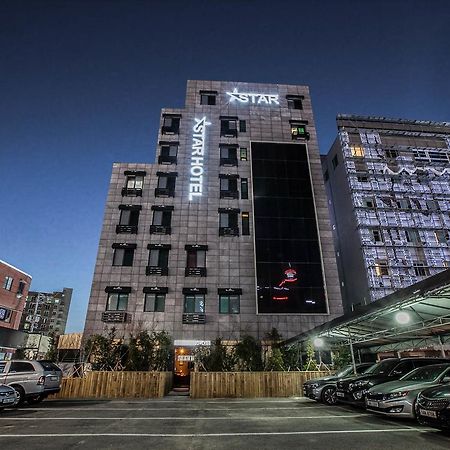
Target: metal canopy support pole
{"x": 441, "y": 343}
{"x": 350, "y": 343}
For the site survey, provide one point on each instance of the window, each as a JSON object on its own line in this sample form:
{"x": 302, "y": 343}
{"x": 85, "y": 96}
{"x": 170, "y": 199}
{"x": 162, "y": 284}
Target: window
{"x": 432, "y": 205}
{"x": 5, "y": 314}
{"x": 368, "y": 202}
{"x": 21, "y": 287}
{"x": 298, "y": 131}
{"x": 134, "y": 183}
{"x": 420, "y": 269}
{"x": 168, "y": 153}
{"x": 208, "y": 97}
{"x": 196, "y": 260}
{"x": 229, "y": 126}
{"x": 295, "y": 101}
{"x": 403, "y": 203}
{"x": 228, "y": 222}
{"x": 242, "y": 126}
{"x": 357, "y": 151}
{"x": 158, "y": 259}
{"x": 326, "y": 175}
{"x": 243, "y": 154}
{"x": 412, "y": 236}
{"x": 228, "y": 186}
{"x": 403, "y": 368}
{"x": 162, "y": 220}
{"x": 362, "y": 178}
{"x": 123, "y": 254}
{"x": 129, "y": 218}
{"x": 441, "y": 236}
{"x": 244, "y": 188}
{"x": 8, "y": 283}
{"x": 391, "y": 153}
{"x": 166, "y": 184}
{"x": 229, "y": 304}
{"x": 171, "y": 124}
{"x": 377, "y": 236}
{"x": 381, "y": 268}
{"x": 245, "y": 224}
{"x": 334, "y": 161}
{"x": 17, "y": 366}
{"x": 154, "y": 302}
{"x": 228, "y": 155}
{"x": 194, "y": 303}
{"x": 117, "y": 301}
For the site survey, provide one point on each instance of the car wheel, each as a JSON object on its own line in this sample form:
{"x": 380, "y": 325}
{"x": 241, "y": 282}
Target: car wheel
{"x": 329, "y": 395}
{"x": 35, "y": 400}
{"x": 20, "y": 394}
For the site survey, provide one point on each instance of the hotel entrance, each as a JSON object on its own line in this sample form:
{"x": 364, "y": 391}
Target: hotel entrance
{"x": 183, "y": 364}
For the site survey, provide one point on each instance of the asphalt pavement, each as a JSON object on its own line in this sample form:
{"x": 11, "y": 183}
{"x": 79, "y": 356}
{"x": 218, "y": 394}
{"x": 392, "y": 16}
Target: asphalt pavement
{"x": 183, "y": 423}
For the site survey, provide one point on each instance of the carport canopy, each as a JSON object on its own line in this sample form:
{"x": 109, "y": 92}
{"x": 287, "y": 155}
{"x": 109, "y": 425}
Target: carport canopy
{"x": 416, "y": 316}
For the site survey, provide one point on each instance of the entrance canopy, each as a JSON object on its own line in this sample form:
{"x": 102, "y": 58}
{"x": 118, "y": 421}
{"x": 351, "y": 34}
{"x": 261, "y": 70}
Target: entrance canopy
{"x": 416, "y": 316}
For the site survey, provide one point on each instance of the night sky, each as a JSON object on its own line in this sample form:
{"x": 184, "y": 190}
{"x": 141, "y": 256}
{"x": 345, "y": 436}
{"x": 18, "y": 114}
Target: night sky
{"x": 82, "y": 84}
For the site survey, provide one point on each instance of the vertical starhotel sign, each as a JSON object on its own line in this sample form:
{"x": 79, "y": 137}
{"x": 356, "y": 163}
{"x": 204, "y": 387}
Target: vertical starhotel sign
{"x": 197, "y": 158}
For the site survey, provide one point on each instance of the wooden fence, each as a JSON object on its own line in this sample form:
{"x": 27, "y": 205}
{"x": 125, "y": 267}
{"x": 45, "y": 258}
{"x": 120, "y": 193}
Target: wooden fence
{"x": 116, "y": 385}
{"x": 249, "y": 384}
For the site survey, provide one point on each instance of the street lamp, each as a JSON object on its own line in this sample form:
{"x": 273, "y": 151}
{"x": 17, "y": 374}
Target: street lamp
{"x": 402, "y": 317}
{"x": 318, "y": 342}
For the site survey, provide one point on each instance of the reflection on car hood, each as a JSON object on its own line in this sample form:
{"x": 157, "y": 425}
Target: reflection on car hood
{"x": 441, "y": 391}
{"x": 396, "y": 386}
{"x": 321, "y": 380}
{"x": 5, "y": 388}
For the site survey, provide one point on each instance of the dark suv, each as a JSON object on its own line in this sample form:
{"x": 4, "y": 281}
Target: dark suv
{"x": 353, "y": 389}
{"x": 433, "y": 407}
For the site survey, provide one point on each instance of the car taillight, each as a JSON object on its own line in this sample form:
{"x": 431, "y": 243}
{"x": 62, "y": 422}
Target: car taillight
{"x": 41, "y": 380}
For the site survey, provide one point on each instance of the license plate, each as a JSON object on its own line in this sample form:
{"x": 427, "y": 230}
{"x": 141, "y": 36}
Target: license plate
{"x": 54, "y": 378}
{"x": 8, "y": 400}
{"x": 340, "y": 394}
{"x": 372, "y": 403}
{"x": 427, "y": 413}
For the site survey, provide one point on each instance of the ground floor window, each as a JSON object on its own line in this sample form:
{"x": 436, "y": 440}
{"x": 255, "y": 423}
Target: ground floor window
{"x": 154, "y": 302}
{"x": 194, "y": 303}
{"x": 117, "y": 302}
{"x": 229, "y": 304}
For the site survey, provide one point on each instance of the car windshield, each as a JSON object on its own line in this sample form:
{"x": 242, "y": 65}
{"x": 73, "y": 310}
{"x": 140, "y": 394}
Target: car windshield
{"x": 382, "y": 367}
{"x": 49, "y": 366}
{"x": 2, "y": 367}
{"x": 425, "y": 374}
{"x": 345, "y": 371}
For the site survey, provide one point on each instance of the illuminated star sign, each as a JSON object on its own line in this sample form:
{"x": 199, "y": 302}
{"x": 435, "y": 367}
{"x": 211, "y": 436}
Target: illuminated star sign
{"x": 197, "y": 158}
{"x": 256, "y": 99}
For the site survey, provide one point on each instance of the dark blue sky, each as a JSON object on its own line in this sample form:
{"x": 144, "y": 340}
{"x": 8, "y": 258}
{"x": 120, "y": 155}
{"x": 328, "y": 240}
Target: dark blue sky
{"x": 82, "y": 84}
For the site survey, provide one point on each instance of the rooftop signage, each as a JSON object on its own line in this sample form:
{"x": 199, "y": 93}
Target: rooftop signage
{"x": 197, "y": 158}
{"x": 254, "y": 98}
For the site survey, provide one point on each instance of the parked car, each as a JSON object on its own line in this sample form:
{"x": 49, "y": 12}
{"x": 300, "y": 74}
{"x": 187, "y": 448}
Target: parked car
{"x": 398, "y": 398}
{"x": 433, "y": 407}
{"x": 324, "y": 389}
{"x": 8, "y": 396}
{"x": 353, "y": 390}
{"x": 32, "y": 380}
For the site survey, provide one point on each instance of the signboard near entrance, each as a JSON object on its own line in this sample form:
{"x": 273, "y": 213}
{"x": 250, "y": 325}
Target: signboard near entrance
{"x": 185, "y": 357}
{"x": 189, "y": 343}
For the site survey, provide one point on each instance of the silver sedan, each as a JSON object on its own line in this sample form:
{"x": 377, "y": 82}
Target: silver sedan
{"x": 8, "y": 396}
{"x": 397, "y": 398}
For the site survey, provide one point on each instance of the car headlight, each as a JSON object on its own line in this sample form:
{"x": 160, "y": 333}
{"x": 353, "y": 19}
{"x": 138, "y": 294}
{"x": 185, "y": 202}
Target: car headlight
{"x": 361, "y": 383}
{"x": 313, "y": 385}
{"x": 397, "y": 394}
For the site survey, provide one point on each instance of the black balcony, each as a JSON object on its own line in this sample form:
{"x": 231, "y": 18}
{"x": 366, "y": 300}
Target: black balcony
{"x": 131, "y": 229}
{"x": 195, "y": 272}
{"x": 228, "y": 162}
{"x": 193, "y": 318}
{"x": 156, "y": 270}
{"x": 114, "y": 316}
{"x": 131, "y": 192}
{"x": 229, "y": 194}
{"x": 167, "y": 159}
{"x": 164, "y": 192}
{"x": 228, "y": 231}
{"x": 160, "y": 229}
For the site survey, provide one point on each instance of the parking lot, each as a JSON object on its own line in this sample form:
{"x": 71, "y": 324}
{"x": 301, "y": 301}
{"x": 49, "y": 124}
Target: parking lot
{"x": 179, "y": 422}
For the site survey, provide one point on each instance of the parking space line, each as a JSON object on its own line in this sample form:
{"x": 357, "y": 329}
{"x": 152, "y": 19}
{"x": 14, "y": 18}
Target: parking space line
{"x": 185, "y": 418}
{"x": 157, "y": 409}
{"x": 193, "y": 435}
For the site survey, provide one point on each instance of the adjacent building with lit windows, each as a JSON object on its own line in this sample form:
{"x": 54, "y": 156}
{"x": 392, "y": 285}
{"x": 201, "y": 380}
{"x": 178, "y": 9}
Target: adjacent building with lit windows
{"x": 388, "y": 183}
{"x": 228, "y": 233}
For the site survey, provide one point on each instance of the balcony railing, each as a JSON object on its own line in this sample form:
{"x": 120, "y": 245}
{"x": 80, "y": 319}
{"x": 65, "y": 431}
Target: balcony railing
{"x": 167, "y": 159}
{"x": 156, "y": 270}
{"x": 164, "y": 192}
{"x": 194, "y": 318}
{"x": 195, "y": 272}
{"x": 160, "y": 229}
{"x": 114, "y": 316}
{"x": 228, "y": 161}
{"x": 132, "y": 229}
{"x": 228, "y": 231}
{"x": 229, "y": 194}
{"x": 131, "y": 192}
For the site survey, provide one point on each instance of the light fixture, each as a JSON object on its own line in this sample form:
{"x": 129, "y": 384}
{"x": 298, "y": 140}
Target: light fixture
{"x": 318, "y": 342}
{"x": 402, "y": 317}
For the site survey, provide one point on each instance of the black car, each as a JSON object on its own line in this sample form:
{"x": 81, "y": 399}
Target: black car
{"x": 324, "y": 389}
{"x": 433, "y": 407}
{"x": 353, "y": 389}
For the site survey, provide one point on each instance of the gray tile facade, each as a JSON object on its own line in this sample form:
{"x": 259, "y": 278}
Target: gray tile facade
{"x": 230, "y": 260}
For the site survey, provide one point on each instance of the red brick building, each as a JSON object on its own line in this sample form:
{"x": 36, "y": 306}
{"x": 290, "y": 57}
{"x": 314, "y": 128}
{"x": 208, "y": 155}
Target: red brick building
{"x": 14, "y": 286}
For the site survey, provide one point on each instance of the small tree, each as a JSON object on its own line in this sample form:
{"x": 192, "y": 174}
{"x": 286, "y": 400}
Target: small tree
{"x": 216, "y": 358}
{"x": 248, "y": 354}
{"x": 341, "y": 356}
{"x": 291, "y": 357}
{"x": 275, "y": 361}
{"x": 106, "y": 352}
{"x": 52, "y": 352}
{"x": 311, "y": 363}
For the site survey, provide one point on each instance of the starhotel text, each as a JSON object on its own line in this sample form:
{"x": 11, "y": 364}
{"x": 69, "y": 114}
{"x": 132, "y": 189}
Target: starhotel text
{"x": 197, "y": 158}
